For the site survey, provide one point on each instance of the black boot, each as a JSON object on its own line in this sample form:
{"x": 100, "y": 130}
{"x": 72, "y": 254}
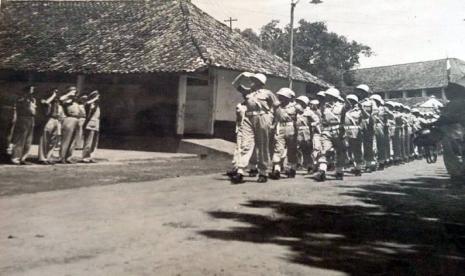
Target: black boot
{"x": 339, "y": 176}
{"x": 291, "y": 173}
{"x": 262, "y": 179}
{"x": 275, "y": 175}
{"x": 230, "y": 173}
{"x": 237, "y": 179}
{"x": 253, "y": 172}
{"x": 320, "y": 176}
{"x": 357, "y": 172}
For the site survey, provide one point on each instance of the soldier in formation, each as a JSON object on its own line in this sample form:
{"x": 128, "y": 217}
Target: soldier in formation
{"x": 356, "y": 133}
{"x": 67, "y": 116}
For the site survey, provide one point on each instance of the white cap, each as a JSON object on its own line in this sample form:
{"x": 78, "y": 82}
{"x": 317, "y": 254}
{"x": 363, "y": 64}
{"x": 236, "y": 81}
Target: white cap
{"x": 286, "y": 92}
{"x": 377, "y": 98}
{"x": 315, "y": 102}
{"x": 260, "y": 77}
{"x": 303, "y": 99}
{"x": 352, "y": 97}
{"x": 364, "y": 87}
{"x": 333, "y": 92}
{"x": 321, "y": 94}
{"x": 415, "y": 110}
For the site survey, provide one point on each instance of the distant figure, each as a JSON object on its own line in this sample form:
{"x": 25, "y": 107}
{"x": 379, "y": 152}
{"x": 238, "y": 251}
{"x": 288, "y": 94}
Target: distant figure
{"x": 52, "y": 129}
{"x": 7, "y": 122}
{"x": 70, "y": 126}
{"x": 91, "y": 127}
{"x": 24, "y": 127}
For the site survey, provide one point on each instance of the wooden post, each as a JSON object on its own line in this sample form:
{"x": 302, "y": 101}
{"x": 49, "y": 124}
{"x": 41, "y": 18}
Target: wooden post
{"x": 80, "y": 83}
{"x": 213, "y": 83}
{"x": 404, "y": 94}
{"x": 443, "y": 94}
{"x": 424, "y": 93}
{"x": 182, "y": 90}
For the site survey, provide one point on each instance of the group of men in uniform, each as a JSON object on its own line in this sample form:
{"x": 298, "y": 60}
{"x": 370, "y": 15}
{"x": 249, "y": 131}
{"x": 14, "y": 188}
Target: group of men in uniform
{"x": 281, "y": 132}
{"x": 70, "y": 118}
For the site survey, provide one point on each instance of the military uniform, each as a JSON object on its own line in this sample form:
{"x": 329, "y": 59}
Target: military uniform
{"x": 91, "y": 129}
{"x": 285, "y": 139}
{"x": 368, "y": 134}
{"x": 256, "y": 129}
{"x": 70, "y": 130}
{"x": 23, "y": 129}
{"x": 332, "y": 136}
{"x": 51, "y": 132}
{"x": 353, "y": 120}
{"x": 305, "y": 124}
{"x": 7, "y": 122}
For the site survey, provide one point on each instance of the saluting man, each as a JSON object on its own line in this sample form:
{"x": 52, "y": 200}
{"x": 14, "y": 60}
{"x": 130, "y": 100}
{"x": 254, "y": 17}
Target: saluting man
{"x": 354, "y": 117}
{"x": 261, "y": 104}
{"x": 70, "y": 126}
{"x": 24, "y": 127}
{"x": 91, "y": 127}
{"x": 52, "y": 129}
{"x": 304, "y": 133}
{"x": 285, "y": 135}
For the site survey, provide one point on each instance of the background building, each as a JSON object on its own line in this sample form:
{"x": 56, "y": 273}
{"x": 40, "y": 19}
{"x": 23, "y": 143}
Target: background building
{"x": 163, "y": 67}
{"x": 412, "y": 83}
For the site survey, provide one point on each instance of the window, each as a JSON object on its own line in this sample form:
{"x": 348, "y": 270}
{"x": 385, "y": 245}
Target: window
{"x": 395, "y": 94}
{"x": 413, "y": 93}
{"x": 437, "y": 92}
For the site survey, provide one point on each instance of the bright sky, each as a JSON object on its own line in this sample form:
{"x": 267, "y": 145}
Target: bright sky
{"x": 399, "y": 31}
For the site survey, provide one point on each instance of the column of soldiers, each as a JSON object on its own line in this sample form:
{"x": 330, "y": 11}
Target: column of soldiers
{"x": 70, "y": 117}
{"x": 360, "y": 132}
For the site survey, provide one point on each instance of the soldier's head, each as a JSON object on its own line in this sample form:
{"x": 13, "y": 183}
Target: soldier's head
{"x": 302, "y": 102}
{"x": 285, "y": 95}
{"x": 352, "y": 99}
{"x": 314, "y": 104}
{"x": 378, "y": 99}
{"x": 333, "y": 95}
{"x": 29, "y": 90}
{"x": 362, "y": 91}
{"x": 258, "y": 81}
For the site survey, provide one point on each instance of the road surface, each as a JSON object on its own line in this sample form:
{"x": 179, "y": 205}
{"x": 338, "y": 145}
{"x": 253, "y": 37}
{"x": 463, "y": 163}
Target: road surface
{"x": 407, "y": 220}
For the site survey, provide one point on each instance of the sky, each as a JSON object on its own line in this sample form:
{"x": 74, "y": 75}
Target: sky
{"x": 398, "y": 31}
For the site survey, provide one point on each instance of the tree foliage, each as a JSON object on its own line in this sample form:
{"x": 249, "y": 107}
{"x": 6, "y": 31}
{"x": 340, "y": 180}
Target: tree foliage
{"x": 316, "y": 50}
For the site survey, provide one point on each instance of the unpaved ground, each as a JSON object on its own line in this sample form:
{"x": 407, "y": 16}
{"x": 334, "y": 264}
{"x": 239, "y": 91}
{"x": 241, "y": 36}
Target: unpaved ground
{"x": 404, "y": 221}
{"x": 38, "y": 178}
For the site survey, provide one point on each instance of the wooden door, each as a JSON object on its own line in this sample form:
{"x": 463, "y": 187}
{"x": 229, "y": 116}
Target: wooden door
{"x": 198, "y": 109}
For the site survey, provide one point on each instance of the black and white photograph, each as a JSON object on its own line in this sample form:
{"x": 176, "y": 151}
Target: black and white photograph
{"x": 224, "y": 138}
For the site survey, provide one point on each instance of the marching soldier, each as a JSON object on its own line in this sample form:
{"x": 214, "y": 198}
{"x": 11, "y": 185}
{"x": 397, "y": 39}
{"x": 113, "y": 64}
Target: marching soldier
{"x": 256, "y": 128}
{"x": 304, "y": 132}
{"x": 381, "y": 131}
{"x": 240, "y": 115}
{"x": 81, "y": 120}
{"x": 332, "y": 122}
{"x": 70, "y": 125}
{"x": 24, "y": 127}
{"x": 91, "y": 127}
{"x": 285, "y": 135}
{"x": 52, "y": 129}
{"x": 315, "y": 128}
{"x": 391, "y": 128}
{"x": 354, "y": 117}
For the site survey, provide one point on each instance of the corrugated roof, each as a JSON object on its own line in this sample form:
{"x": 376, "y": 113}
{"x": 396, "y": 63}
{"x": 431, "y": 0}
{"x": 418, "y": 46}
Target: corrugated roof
{"x": 410, "y": 76}
{"x": 127, "y": 37}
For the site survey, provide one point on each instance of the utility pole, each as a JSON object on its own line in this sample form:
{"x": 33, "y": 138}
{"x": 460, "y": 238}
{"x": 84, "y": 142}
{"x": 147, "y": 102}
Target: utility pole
{"x": 291, "y": 50}
{"x": 230, "y": 20}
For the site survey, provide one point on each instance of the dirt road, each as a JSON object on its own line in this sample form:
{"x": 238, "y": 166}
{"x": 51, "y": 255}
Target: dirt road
{"x": 403, "y": 221}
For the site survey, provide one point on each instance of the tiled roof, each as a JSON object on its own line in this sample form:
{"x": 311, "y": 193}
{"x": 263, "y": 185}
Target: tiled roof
{"x": 410, "y": 76}
{"x": 127, "y": 37}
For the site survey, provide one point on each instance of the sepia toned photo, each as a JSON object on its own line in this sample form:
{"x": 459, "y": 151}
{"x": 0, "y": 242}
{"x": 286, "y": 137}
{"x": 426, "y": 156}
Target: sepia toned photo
{"x": 220, "y": 137}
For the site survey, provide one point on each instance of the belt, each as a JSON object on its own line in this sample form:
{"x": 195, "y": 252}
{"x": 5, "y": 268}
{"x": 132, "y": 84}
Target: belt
{"x": 254, "y": 113}
{"x": 303, "y": 127}
{"x": 287, "y": 124}
{"x": 70, "y": 116}
{"x": 330, "y": 128}
{"x": 352, "y": 127}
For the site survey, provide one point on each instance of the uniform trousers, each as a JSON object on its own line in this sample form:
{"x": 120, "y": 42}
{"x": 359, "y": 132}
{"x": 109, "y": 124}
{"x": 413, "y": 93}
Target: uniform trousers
{"x": 285, "y": 146}
{"x": 398, "y": 144}
{"x": 256, "y": 131}
{"x": 331, "y": 139}
{"x": 49, "y": 138}
{"x": 91, "y": 138}
{"x": 70, "y": 130}
{"x": 304, "y": 147}
{"x": 22, "y": 138}
{"x": 381, "y": 141}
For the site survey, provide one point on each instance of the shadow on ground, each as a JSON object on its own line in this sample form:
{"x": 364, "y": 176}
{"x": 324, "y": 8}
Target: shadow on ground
{"x": 415, "y": 227}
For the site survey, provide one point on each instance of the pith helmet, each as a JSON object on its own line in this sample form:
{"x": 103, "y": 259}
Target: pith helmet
{"x": 377, "y": 98}
{"x": 333, "y": 92}
{"x": 286, "y": 92}
{"x": 364, "y": 87}
{"x": 303, "y": 99}
{"x": 352, "y": 97}
{"x": 260, "y": 77}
